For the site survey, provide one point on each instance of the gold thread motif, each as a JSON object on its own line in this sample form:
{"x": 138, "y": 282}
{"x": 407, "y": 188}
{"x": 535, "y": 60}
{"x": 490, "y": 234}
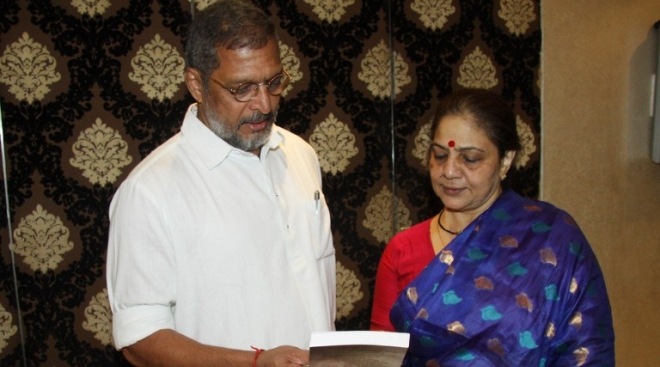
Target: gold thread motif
{"x": 100, "y": 152}
{"x": 158, "y": 69}
{"x": 28, "y": 69}
{"x": 457, "y": 328}
{"x": 550, "y": 331}
{"x": 508, "y": 242}
{"x": 334, "y": 143}
{"x": 42, "y": 239}
{"x": 433, "y": 13}
{"x": 91, "y": 7}
{"x": 348, "y": 290}
{"x": 202, "y": 4}
{"x": 446, "y": 257}
{"x": 291, "y": 64}
{"x": 422, "y": 314}
{"x": 378, "y": 215}
{"x": 375, "y": 71}
{"x": 581, "y": 355}
{"x": 98, "y": 318}
{"x": 7, "y": 328}
{"x": 526, "y": 141}
{"x": 532, "y": 208}
{"x": 523, "y": 301}
{"x": 330, "y": 10}
{"x": 411, "y": 293}
{"x": 495, "y": 345}
{"x": 576, "y": 321}
{"x": 574, "y": 286}
{"x": 484, "y": 283}
{"x": 422, "y": 143}
{"x": 570, "y": 220}
{"x": 548, "y": 256}
{"x": 477, "y": 71}
{"x": 517, "y": 14}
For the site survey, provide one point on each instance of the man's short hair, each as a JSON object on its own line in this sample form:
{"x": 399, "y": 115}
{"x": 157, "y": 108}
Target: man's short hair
{"x": 230, "y": 24}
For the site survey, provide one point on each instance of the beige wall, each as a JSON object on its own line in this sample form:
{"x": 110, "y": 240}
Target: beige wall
{"x": 597, "y": 67}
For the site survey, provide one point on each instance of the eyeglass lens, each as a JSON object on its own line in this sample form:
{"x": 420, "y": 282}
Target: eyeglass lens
{"x": 274, "y": 86}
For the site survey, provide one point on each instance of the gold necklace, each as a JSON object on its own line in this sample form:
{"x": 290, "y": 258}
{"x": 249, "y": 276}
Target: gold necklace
{"x": 455, "y": 233}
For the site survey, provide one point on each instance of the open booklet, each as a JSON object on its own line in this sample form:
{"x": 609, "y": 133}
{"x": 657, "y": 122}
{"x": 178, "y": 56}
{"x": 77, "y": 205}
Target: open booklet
{"x": 358, "y": 349}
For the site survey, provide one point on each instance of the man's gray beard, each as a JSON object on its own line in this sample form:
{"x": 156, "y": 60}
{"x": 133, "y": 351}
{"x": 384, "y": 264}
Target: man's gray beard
{"x": 254, "y": 142}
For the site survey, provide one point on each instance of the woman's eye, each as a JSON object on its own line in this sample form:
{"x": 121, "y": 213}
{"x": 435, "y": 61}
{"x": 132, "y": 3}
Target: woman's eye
{"x": 470, "y": 160}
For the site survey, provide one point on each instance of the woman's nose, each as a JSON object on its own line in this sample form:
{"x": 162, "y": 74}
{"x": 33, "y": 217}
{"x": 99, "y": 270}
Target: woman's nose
{"x": 452, "y": 168}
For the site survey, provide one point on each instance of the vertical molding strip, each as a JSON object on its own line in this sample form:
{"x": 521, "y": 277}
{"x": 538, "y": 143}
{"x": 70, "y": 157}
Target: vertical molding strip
{"x": 5, "y": 180}
{"x": 390, "y": 37}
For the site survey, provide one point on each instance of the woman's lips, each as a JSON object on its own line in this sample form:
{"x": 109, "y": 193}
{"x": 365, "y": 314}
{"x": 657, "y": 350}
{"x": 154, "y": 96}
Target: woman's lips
{"x": 451, "y": 190}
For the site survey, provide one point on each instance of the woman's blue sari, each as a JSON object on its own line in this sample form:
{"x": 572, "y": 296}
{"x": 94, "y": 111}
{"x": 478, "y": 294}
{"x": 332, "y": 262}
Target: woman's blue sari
{"x": 519, "y": 287}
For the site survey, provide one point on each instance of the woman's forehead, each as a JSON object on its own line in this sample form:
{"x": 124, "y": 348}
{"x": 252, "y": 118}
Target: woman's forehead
{"x": 460, "y": 132}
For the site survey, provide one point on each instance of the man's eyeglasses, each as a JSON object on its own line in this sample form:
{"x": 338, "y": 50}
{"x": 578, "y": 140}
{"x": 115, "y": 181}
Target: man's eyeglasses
{"x": 246, "y": 91}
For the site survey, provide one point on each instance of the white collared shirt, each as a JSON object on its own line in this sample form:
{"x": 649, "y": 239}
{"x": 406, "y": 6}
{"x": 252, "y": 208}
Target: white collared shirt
{"x": 225, "y": 247}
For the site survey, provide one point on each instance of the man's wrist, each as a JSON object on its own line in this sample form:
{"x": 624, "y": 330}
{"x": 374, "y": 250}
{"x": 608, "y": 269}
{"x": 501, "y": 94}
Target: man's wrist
{"x": 257, "y": 353}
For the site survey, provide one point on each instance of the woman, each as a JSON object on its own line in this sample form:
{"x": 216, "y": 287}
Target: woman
{"x": 494, "y": 279}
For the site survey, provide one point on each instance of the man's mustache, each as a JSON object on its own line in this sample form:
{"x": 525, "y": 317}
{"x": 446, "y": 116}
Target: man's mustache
{"x": 258, "y": 117}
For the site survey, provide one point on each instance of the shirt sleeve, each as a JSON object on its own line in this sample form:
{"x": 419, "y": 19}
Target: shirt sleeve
{"x": 141, "y": 273}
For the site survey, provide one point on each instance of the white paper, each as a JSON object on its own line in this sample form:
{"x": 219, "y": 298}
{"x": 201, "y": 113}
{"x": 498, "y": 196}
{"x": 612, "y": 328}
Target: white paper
{"x": 358, "y": 349}
{"x": 382, "y": 338}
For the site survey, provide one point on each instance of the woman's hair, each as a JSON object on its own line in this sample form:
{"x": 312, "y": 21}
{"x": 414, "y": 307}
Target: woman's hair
{"x": 230, "y": 24}
{"x": 486, "y": 109}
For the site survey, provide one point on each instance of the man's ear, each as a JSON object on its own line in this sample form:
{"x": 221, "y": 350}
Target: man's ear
{"x": 194, "y": 83}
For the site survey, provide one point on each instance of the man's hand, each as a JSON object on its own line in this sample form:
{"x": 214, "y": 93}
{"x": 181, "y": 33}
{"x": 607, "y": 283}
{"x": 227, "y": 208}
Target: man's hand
{"x": 283, "y": 356}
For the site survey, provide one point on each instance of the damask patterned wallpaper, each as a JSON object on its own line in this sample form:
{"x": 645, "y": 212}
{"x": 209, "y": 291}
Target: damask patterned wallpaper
{"x": 89, "y": 87}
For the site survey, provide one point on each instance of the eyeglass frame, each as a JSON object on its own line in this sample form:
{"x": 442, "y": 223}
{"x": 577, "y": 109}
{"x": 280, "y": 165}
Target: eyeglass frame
{"x": 255, "y": 89}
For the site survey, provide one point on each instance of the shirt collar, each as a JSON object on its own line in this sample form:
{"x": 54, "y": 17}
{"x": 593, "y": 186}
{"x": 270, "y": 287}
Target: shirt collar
{"x": 212, "y": 149}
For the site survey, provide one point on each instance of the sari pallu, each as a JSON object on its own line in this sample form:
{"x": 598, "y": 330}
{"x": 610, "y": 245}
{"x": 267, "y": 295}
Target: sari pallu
{"x": 520, "y": 286}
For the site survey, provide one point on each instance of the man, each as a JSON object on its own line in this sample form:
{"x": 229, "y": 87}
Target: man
{"x": 220, "y": 242}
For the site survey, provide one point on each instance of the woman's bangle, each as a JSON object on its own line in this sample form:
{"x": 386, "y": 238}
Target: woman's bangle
{"x": 257, "y": 352}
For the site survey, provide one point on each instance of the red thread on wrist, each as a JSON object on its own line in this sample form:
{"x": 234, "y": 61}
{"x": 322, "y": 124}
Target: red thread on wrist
{"x": 257, "y": 352}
